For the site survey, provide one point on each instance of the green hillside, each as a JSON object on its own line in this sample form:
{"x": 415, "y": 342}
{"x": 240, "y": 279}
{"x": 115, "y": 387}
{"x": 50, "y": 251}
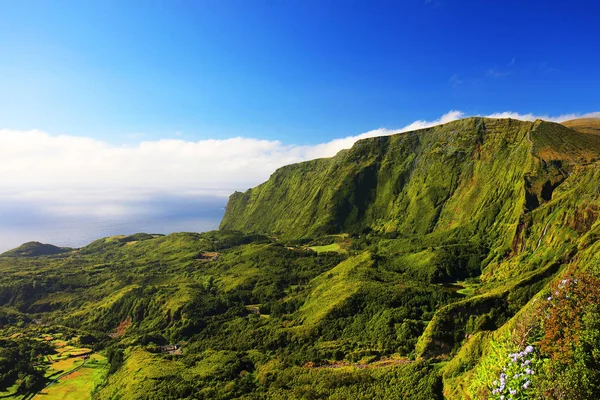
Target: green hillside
{"x": 585, "y": 125}
{"x": 422, "y": 265}
{"x": 34, "y": 249}
{"x": 473, "y": 175}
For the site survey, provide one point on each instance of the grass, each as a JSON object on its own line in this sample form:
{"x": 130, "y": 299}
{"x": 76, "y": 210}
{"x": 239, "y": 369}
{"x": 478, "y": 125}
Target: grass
{"x": 330, "y": 247}
{"x": 585, "y": 125}
{"x": 63, "y": 365}
{"x": 332, "y": 288}
{"x": 467, "y": 289}
{"x": 138, "y": 375}
{"x": 74, "y": 351}
{"x": 80, "y": 384}
{"x": 9, "y": 392}
{"x": 212, "y": 363}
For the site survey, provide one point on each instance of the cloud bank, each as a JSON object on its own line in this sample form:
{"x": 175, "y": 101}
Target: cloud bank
{"x": 68, "y": 175}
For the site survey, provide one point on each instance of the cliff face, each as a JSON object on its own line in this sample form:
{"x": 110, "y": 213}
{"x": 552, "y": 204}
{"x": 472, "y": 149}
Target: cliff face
{"x": 466, "y": 176}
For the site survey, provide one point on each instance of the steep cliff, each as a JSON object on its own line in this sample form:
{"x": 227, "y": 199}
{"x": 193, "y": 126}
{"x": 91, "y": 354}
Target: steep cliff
{"x": 468, "y": 176}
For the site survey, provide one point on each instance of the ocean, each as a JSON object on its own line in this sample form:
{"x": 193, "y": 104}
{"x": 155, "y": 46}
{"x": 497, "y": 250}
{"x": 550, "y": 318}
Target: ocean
{"x": 19, "y": 225}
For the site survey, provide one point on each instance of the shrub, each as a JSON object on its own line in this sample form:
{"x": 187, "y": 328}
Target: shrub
{"x": 515, "y": 381}
{"x": 570, "y": 326}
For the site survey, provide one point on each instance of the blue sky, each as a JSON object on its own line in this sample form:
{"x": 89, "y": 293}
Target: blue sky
{"x": 302, "y": 72}
{"x": 125, "y": 116}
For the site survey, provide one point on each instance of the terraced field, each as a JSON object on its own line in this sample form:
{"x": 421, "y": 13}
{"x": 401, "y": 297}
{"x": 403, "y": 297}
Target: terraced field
{"x": 78, "y": 385}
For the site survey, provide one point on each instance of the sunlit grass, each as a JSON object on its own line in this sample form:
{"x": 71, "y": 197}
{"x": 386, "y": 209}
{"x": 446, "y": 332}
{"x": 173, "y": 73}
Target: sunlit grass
{"x": 80, "y": 384}
{"x": 330, "y": 247}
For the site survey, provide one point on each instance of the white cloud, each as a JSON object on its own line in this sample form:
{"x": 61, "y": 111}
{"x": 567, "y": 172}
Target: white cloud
{"x": 67, "y": 175}
{"x": 532, "y": 117}
{"x": 331, "y": 148}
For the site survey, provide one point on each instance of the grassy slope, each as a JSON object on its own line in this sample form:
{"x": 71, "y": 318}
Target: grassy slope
{"x": 110, "y": 280}
{"x": 136, "y": 375}
{"x": 415, "y": 380}
{"x": 98, "y": 277}
{"x": 564, "y": 232}
{"x": 330, "y": 247}
{"x": 531, "y": 187}
{"x": 332, "y": 288}
{"x": 585, "y": 125}
{"x": 35, "y": 249}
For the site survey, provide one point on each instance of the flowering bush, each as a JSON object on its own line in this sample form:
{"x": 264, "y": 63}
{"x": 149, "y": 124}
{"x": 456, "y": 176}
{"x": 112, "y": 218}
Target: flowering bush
{"x": 570, "y": 338}
{"x": 564, "y": 327}
{"x": 515, "y": 381}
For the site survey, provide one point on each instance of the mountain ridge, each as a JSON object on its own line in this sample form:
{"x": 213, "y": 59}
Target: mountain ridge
{"x": 585, "y": 125}
{"x": 348, "y": 191}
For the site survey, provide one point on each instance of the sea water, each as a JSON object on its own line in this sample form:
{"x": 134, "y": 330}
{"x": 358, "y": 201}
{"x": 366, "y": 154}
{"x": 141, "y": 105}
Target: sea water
{"x": 24, "y": 224}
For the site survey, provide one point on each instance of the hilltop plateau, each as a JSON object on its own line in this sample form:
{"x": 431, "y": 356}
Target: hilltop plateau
{"x": 585, "y": 125}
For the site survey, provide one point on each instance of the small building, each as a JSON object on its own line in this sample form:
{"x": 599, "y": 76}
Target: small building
{"x": 174, "y": 349}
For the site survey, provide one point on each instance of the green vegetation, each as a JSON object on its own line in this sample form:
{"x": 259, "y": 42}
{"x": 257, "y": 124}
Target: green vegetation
{"x": 584, "y": 125}
{"x": 79, "y": 384}
{"x": 472, "y": 175}
{"x": 413, "y": 266}
{"x": 18, "y": 359}
{"x": 34, "y": 249}
{"x": 329, "y": 247}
